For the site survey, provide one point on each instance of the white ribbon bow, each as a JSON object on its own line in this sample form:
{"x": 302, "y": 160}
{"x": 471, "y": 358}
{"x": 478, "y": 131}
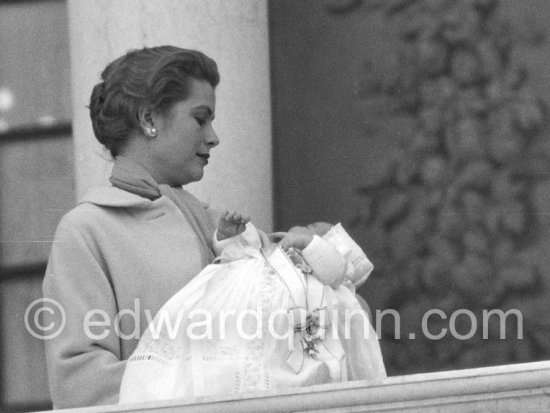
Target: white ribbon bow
{"x": 310, "y": 317}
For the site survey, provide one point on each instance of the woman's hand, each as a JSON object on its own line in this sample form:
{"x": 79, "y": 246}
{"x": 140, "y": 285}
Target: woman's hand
{"x": 231, "y": 224}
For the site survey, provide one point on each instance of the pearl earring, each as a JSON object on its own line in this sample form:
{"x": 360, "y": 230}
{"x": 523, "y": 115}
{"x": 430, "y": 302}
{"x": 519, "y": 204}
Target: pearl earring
{"x": 151, "y": 132}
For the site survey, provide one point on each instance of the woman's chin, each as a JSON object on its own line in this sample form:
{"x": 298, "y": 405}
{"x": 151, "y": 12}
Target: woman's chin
{"x": 195, "y": 176}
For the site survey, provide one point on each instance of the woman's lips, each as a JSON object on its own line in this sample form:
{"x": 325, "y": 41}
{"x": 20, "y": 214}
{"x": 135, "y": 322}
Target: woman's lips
{"x": 204, "y": 157}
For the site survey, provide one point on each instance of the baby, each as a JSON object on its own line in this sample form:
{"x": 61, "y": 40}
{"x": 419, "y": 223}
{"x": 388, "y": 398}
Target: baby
{"x": 308, "y": 277}
{"x": 320, "y": 248}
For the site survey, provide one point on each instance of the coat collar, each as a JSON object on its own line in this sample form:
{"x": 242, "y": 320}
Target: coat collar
{"x": 110, "y": 196}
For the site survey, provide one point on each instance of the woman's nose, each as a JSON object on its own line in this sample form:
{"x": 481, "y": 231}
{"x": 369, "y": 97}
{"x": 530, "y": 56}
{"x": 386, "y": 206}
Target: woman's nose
{"x": 212, "y": 138}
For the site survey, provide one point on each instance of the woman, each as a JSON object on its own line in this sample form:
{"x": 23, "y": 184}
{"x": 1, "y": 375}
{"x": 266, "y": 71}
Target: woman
{"x": 127, "y": 248}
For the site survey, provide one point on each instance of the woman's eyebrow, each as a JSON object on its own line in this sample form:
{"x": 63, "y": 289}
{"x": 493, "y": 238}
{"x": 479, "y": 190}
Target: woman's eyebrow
{"x": 204, "y": 108}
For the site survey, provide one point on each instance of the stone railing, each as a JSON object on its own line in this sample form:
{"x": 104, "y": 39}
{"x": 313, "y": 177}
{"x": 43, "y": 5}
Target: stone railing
{"x": 509, "y": 388}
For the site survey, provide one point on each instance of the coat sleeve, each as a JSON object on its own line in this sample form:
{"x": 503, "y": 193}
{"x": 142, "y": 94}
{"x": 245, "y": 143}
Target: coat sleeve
{"x": 84, "y": 359}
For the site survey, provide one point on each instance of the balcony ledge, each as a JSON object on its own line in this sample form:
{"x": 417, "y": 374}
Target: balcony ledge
{"x": 516, "y": 387}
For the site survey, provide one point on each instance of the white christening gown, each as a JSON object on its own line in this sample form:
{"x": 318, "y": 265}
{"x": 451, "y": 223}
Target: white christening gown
{"x": 254, "y": 321}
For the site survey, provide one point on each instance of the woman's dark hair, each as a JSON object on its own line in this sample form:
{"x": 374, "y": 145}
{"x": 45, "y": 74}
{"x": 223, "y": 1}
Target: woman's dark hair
{"x": 157, "y": 77}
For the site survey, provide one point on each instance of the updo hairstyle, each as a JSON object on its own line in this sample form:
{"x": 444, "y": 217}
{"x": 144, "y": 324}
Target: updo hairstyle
{"x": 157, "y": 77}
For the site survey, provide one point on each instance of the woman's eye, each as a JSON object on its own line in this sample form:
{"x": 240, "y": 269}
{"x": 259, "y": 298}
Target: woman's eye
{"x": 200, "y": 121}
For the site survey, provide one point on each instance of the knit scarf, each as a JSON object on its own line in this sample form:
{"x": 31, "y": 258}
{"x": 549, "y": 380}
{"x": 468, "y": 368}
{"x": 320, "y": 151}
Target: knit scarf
{"x": 132, "y": 177}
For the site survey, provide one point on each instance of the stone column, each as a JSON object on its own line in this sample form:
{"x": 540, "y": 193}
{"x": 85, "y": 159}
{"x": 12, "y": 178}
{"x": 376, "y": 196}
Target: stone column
{"x": 232, "y": 32}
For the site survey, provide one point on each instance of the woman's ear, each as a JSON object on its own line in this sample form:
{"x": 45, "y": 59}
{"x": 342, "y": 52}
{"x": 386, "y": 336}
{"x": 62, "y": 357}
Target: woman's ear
{"x": 146, "y": 121}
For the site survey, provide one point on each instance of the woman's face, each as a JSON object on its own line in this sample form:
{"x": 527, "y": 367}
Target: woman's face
{"x": 185, "y": 137}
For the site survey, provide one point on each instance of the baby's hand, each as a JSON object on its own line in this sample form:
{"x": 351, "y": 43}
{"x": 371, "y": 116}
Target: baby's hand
{"x": 286, "y": 240}
{"x": 231, "y": 224}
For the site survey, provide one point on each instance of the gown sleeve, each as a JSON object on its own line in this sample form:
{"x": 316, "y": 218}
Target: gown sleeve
{"x": 328, "y": 265}
{"x": 84, "y": 364}
{"x": 233, "y": 247}
{"x": 359, "y": 266}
